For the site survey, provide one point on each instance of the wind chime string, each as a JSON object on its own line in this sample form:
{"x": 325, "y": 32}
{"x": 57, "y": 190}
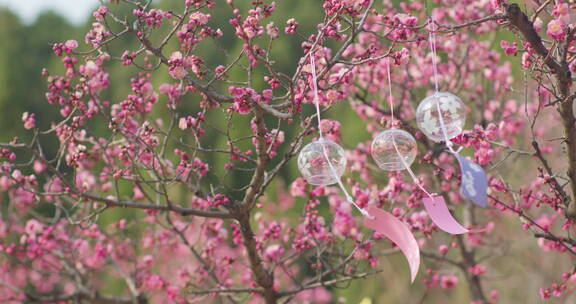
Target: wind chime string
{"x": 391, "y": 103}
{"x": 316, "y": 98}
{"x": 349, "y": 198}
{"x": 390, "y": 91}
{"x": 432, "y": 42}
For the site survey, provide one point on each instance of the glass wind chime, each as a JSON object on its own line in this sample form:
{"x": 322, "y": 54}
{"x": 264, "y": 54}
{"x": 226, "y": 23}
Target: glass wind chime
{"x": 441, "y": 117}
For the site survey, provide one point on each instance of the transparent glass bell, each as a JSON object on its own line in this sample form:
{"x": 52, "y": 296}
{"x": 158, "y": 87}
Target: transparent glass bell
{"x": 313, "y": 164}
{"x": 385, "y": 154}
{"x": 437, "y": 108}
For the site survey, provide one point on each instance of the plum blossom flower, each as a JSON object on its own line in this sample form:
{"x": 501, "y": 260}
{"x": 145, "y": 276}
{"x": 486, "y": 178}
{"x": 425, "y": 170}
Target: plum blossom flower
{"x": 443, "y": 249}
{"x": 272, "y": 30}
{"x": 71, "y": 44}
{"x": 448, "y": 281}
{"x": 526, "y": 60}
{"x": 562, "y": 12}
{"x": 178, "y": 72}
{"x": 538, "y": 23}
{"x": 100, "y": 13}
{"x": 292, "y": 26}
{"x": 544, "y": 293}
{"x": 199, "y": 18}
{"x": 274, "y": 253}
{"x": 556, "y": 29}
{"x": 153, "y": 282}
{"x": 29, "y": 120}
{"x": 509, "y": 49}
{"x": 39, "y": 167}
{"x": 477, "y": 270}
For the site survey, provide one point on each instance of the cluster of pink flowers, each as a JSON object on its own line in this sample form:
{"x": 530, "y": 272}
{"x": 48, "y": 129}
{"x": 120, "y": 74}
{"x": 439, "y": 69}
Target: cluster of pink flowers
{"x": 556, "y": 29}
{"x": 509, "y": 49}
{"x": 188, "y": 35}
{"x": 244, "y": 97}
{"x": 100, "y": 13}
{"x": 97, "y": 35}
{"x": 193, "y": 123}
{"x": 405, "y": 25}
{"x": 291, "y": 27}
{"x": 153, "y": 17}
{"x": 65, "y": 48}
{"x": 29, "y": 120}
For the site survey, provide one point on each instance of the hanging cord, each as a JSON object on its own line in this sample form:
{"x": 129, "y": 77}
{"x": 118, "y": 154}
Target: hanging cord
{"x": 349, "y": 198}
{"x": 406, "y": 166}
{"x": 432, "y": 41}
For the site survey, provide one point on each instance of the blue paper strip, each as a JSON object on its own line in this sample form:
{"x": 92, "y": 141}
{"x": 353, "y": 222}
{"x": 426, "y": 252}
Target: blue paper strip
{"x": 474, "y": 182}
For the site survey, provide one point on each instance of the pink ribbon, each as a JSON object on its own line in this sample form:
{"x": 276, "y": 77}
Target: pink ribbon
{"x": 440, "y": 215}
{"x": 392, "y": 228}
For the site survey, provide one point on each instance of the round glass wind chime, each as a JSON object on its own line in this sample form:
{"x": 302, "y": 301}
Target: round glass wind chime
{"x": 441, "y": 117}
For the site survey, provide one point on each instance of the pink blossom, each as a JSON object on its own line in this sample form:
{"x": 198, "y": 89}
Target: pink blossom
{"x": 71, "y": 44}
{"x": 34, "y": 227}
{"x": 101, "y": 13}
{"x": 562, "y": 12}
{"x": 509, "y": 49}
{"x": 274, "y": 253}
{"x": 544, "y": 293}
{"x": 90, "y": 69}
{"x": 178, "y": 72}
{"x": 292, "y": 26}
{"x": 572, "y": 67}
{"x": 220, "y": 70}
{"x": 538, "y": 23}
{"x": 29, "y": 120}
{"x": 556, "y": 29}
{"x": 526, "y": 60}
{"x": 272, "y": 30}
{"x": 317, "y": 296}
{"x": 298, "y": 188}
{"x": 153, "y": 282}
{"x": 199, "y": 18}
{"x": 182, "y": 123}
{"x": 403, "y": 56}
{"x": 443, "y": 249}
{"x": 173, "y": 292}
{"x": 477, "y": 270}
{"x": 545, "y": 221}
{"x": 39, "y": 167}
{"x": 448, "y": 281}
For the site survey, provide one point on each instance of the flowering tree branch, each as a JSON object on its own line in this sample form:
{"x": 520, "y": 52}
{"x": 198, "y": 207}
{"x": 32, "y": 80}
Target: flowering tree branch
{"x": 564, "y": 80}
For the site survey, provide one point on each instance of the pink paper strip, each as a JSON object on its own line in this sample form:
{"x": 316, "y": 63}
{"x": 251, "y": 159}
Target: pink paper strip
{"x": 440, "y": 215}
{"x": 391, "y": 227}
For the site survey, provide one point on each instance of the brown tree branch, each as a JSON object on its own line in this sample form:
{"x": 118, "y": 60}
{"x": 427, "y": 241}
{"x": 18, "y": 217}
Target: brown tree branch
{"x": 174, "y": 208}
{"x": 563, "y": 77}
{"x": 329, "y": 282}
{"x": 79, "y": 296}
{"x": 262, "y": 276}
{"x": 225, "y": 291}
{"x": 523, "y": 24}
{"x": 551, "y": 237}
{"x": 469, "y": 260}
{"x": 564, "y": 242}
{"x": 548, "y": 169}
